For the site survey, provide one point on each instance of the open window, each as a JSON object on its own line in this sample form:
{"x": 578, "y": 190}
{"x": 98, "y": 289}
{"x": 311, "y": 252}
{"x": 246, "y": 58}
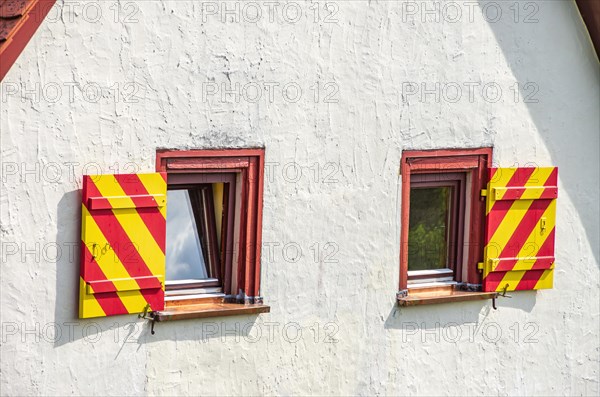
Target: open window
{"x": 183, "y": 242}
{"x": 200, "y": 223}
{"x": 469, "y": 230}
{"x": 213, "y": 238}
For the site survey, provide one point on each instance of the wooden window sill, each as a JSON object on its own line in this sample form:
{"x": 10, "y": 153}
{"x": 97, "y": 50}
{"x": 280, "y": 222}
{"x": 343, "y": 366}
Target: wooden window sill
{"x": 211, "y": 309}
{"x": 431, "y": 296}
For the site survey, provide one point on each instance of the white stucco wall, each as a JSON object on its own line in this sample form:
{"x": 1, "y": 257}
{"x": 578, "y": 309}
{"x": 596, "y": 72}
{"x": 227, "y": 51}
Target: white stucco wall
{"x": 159, "y": 59}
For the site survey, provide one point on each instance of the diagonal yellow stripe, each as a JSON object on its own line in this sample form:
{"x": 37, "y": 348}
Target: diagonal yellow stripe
{"x": 155, "y": 184}
{"x": 507, "y": 227}
{"x": 539, "y": 177}
{"x": 512, "y": 278}
{"x": 109, "y": 262}
{"x": 88, "y": 305}
{"x": 134, "y": 227}
{"x": 546, "y": 280}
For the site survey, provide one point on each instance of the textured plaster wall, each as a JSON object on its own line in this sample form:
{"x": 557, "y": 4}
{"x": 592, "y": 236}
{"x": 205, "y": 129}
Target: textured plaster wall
{"x": 156, "y": 63}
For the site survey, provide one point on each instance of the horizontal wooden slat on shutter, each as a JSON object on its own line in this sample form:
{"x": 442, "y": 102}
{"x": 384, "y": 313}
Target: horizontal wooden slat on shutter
{"x": 122, "y": 202}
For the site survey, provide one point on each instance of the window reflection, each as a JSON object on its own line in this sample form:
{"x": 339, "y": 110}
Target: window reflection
{"x": 185, "y": 260}
{"x": 428, "y": 228}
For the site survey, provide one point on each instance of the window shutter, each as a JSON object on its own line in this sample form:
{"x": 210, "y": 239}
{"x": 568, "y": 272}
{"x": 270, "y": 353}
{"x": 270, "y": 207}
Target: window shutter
{"x": 520, "y": 218}
{"x": 123, "y": 228}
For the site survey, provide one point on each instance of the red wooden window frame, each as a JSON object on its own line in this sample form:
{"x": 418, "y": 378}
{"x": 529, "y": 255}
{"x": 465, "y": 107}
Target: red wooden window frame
{"x": 473, "y": 161}
{"x": 249, "y": 163}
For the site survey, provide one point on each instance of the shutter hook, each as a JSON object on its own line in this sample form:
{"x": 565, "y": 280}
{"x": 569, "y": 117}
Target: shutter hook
{"x": 148, "y": 316}
{"x": 503, "y": 294}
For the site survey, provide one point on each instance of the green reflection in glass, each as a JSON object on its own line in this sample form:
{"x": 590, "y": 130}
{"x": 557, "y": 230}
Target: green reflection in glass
{"x": 428, "y": 228}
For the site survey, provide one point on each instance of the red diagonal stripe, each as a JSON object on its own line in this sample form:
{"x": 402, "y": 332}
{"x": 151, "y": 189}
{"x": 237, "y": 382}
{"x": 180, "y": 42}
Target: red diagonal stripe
{"x": 97, "y": 202}
{"x": 529, "y": 280}
{"x": 547, "y": 248}
{"x": 493, "y": 279}
{"x": 109, "y": 301}
{"x": 500, "y": 208}
{"x": 492, "y": 173}
{"x": 495, "y": 217}
{"x": 154, "y": 221}
{"x": 553, "y": 178}
{"x": 506, "y": 265}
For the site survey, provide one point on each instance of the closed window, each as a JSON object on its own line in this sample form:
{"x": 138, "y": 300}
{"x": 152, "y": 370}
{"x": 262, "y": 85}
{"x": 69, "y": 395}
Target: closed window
{"x": 442, "y": 229}
{"x": 436, "y": 227}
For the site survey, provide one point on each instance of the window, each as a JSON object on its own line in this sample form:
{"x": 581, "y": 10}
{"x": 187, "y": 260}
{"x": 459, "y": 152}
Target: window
{"x": 199, "y": 243}
{"x": 183, "y": 242}
{"x": 214, "y": 211}
{"x": 442, "y": 225}
{"x": 436, "y": 227}
{"x": 471, "y": 231}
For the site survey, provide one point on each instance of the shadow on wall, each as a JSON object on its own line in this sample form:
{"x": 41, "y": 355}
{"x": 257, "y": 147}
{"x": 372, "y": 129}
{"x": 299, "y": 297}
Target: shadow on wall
{"x": 119, "y": 330}
{"x": 555, "y": 54}
{"x": 405, "y": 318}
{"x": 475, "y": 312}
{"x": 67, "y": 266}
{"x": 231, "y": 328}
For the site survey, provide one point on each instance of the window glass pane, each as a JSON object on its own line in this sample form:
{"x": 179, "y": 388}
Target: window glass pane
{"x": 185, "y": 260}
{"x": 428, "y": 228}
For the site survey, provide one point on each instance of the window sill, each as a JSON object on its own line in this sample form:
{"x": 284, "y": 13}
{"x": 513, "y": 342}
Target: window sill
{"x": 431, "y": 296}
{"x": 211, "y": 309}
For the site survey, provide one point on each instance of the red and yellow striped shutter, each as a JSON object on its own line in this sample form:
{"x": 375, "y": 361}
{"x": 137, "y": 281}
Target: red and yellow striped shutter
{"x": 520, "y": 218}
{"x": 123, "y": 244}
